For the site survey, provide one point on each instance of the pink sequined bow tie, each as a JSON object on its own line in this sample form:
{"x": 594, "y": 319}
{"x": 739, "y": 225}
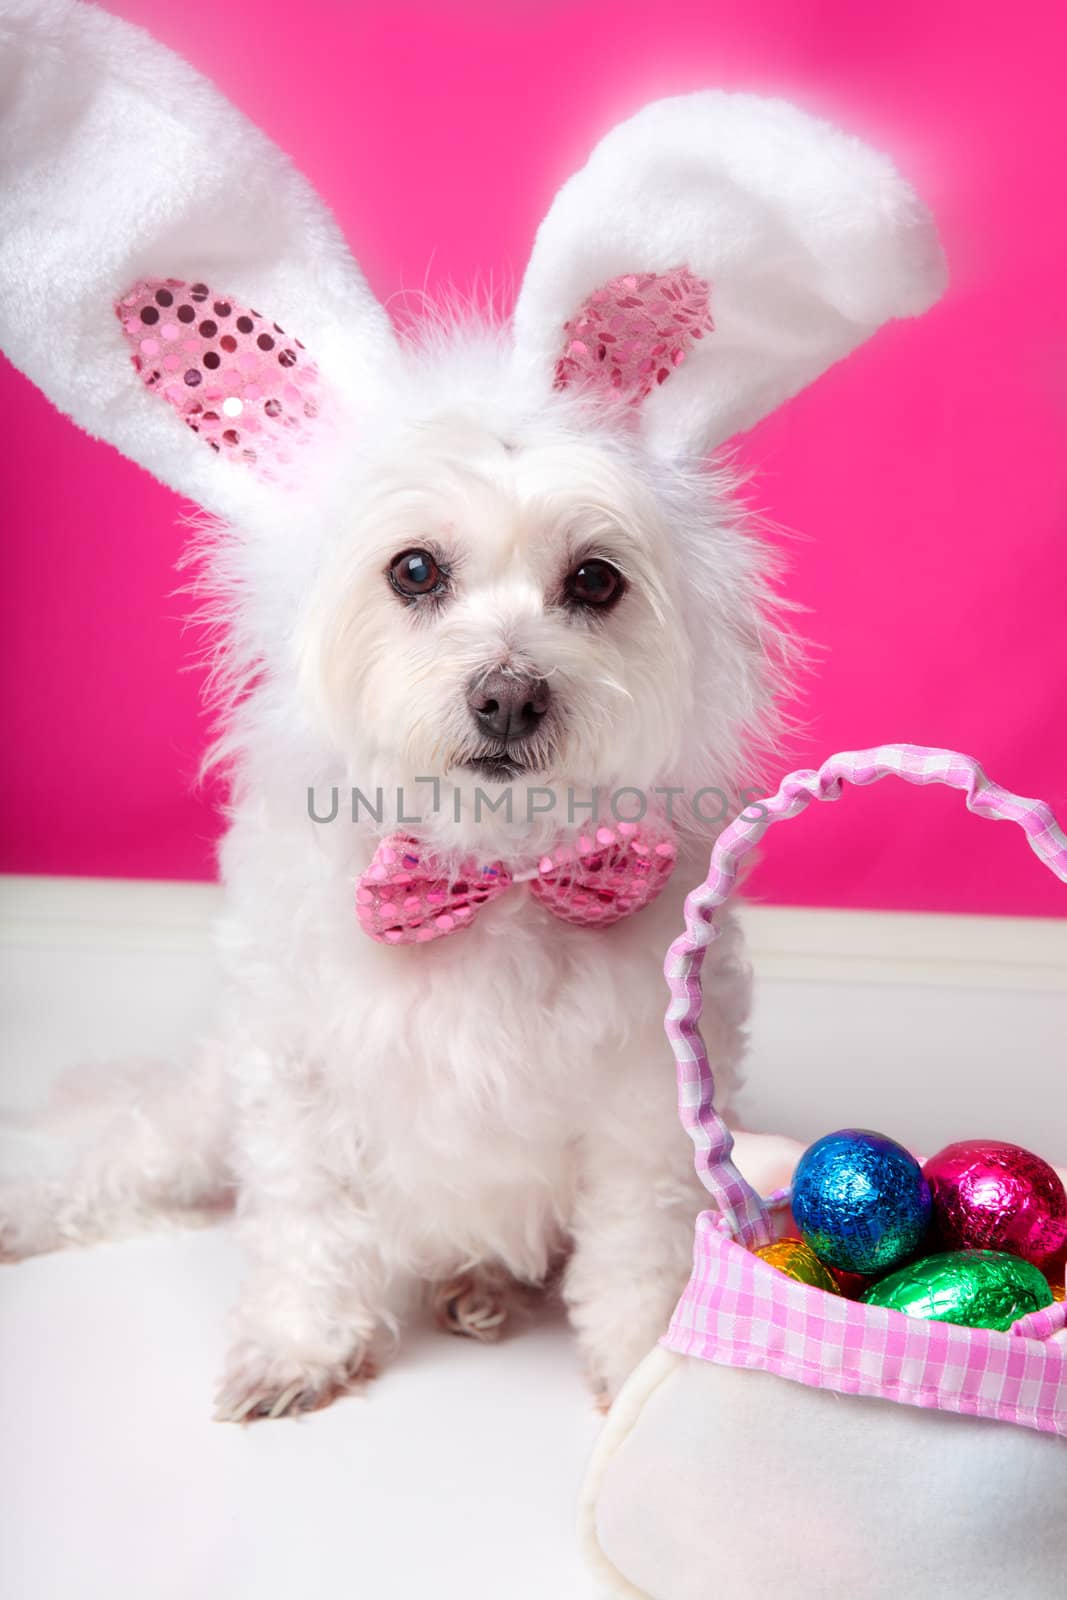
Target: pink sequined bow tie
{"x": 408, "y": 897}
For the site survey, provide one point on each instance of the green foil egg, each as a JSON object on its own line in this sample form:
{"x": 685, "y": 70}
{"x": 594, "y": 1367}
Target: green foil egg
{"x": 974, "y": 1288}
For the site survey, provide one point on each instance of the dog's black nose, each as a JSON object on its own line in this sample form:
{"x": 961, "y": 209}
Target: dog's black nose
{"x": 507, "y": 705}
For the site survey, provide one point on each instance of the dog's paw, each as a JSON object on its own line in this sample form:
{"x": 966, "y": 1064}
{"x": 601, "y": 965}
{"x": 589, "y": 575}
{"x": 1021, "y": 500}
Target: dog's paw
{"x": 474, "y": 1304}
{"x": 258, "y": 1385}
{"x": 27, "y": 1220}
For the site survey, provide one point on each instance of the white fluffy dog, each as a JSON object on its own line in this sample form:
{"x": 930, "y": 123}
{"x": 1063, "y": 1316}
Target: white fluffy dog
{"x": 487, "y": 559}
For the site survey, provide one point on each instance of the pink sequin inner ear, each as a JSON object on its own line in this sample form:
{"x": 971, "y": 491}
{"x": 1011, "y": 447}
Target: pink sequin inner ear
{"x": 632, "y": 333}
{"x": 240, "y": 381}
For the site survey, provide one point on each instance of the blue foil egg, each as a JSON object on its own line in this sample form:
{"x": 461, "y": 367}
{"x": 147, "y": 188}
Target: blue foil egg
{"x": 861, "y": 1201}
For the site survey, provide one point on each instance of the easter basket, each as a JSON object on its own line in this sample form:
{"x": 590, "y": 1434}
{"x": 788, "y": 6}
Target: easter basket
{"x": 784, "y": 1441}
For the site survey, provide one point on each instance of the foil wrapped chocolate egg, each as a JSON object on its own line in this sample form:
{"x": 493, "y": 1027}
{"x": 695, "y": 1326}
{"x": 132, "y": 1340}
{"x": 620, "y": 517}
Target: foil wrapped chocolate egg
{"x": 860, "y": 1201}
{"x": 973, "y": 1288}
{"x": 988, "y": 1195}
{"x": 797, "y": 1260}
{"x": 1058, "y": 1292}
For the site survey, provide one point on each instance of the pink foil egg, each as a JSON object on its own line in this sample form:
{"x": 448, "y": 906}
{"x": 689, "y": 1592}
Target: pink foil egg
{"x": 988, "y": 1195}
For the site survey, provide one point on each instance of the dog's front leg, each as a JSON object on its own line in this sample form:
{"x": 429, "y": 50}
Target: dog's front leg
{"x": 633, "y": 1236}
{"x": 316, "y": 1289}
{"x": 308, "y": 1310}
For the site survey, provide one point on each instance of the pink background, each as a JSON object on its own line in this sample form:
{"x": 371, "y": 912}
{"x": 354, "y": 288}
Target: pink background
{"x": 925, "y": 479}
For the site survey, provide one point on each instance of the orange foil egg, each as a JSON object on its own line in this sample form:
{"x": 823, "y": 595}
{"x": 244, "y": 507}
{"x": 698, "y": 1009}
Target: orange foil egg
{"x": 1058, "y": 1291}
{"x": 797, "y": 1260}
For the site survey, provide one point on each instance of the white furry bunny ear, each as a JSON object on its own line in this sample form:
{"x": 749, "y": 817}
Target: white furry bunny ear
{"x": 149, "y": 238}
{"x": 716, "y": 253}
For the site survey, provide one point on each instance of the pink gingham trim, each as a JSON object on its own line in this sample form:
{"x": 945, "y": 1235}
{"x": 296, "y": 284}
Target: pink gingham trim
{"x": 740, "y": 1311}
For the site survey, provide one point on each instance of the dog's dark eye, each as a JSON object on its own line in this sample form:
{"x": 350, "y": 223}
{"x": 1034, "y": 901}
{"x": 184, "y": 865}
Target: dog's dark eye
{"x": 416, "y": 572}
{"x": 595, "y": 584}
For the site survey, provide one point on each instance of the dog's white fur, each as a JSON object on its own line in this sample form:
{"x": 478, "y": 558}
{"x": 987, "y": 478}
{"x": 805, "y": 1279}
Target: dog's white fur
{"x": 461, "y": 1114}
{"x": 412, "y": 1113}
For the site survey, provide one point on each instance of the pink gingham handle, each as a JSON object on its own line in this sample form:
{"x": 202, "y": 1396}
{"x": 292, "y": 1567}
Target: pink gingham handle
{"x": 743, "y": 1212}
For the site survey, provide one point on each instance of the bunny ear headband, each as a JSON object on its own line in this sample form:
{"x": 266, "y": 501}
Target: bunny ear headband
{"x": 173, "y": 284}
